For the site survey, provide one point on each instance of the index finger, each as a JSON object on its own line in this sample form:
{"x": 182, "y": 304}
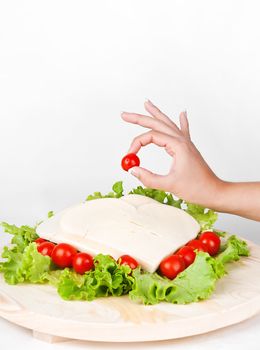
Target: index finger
{"x": 148, "y": 122}
{"x": 158, "y": 138}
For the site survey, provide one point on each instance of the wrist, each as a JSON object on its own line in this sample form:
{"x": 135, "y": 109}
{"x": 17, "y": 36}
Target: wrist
{"x": 214, "y": 195}
{"x": 220, "y": 200}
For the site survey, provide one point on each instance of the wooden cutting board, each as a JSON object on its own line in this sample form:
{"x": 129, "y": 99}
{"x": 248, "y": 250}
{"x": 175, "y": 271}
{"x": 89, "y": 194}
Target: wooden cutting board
{"x": 118, "y": 319}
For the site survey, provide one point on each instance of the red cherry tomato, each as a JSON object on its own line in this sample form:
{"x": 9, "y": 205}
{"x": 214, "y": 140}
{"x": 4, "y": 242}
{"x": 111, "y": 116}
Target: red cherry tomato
{"x": 46, "y": 248}
{"x": 211, "y": 241}
{"x": 62, "y": 255}
{"x": 82, "y": 262}
{"x": 129, "y": 161}
{"x": 196, "y": 244}
{"x": 171, "y": 266}
{"x": 128, "y": 260}
{"x": 188, "y": 255}
{"x": 39, "y": 240}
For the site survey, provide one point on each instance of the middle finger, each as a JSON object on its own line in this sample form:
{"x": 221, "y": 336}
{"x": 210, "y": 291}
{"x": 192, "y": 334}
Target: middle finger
{"x": 148, "y": 122}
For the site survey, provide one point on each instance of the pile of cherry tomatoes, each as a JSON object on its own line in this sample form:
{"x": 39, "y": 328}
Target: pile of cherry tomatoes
{"x": 64, "y": 255}
{"x": 172, "y": 265}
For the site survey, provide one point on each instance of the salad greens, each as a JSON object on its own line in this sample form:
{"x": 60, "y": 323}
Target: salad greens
{"x": 22, "y": 236}
{"x": 107, "y": 278}
{"x": 23, "y": 264}
{"x": 117, "y": 192}
{"x": 29, "y": 266}
{"x": 197, "y": 282}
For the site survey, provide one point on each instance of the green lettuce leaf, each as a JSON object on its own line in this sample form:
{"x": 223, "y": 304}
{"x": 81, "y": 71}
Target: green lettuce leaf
{"x": 50, "y": 214}
{"x": 117, "y": 192}
{"x": 107, "y": 278}
{"x": 232, "y": 249}
{"x": 205, "y": 217}
{"x": 28, "y": 266}
{"x": 22, "y": 236}
{"x": 195, "y": 283}
{"x": 158, "y": 195}
{"x": 53, "y": 275}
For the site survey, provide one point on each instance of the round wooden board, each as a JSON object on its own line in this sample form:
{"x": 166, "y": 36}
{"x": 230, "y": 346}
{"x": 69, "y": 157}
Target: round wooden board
{"x": 38, "y": 307}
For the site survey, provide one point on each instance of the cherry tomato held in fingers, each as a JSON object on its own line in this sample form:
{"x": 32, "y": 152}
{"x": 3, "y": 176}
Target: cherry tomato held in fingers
{"x": 197, "y": 244}
{"x": 39, "y": 240}
{"x": 211, "y": 241}
{"x": 188, "y": 255}
{"x": 82, "y": 262}
{"x": 128, "y": 260}
{"x": 171, "y": 266}
{"x": 46, "y": 248}
{"x": 62, "y": 255}
{"x": 129, "y": 161}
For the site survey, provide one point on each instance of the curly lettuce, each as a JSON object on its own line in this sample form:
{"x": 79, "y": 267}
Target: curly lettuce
{"x": 107, "y": 278}
{"x": 22, "y": 236}
{"x": 117, "y": 192}
{"x": 158, "y": 195}
{"x": 26, "y": 266}
{"x": 232, "y": 249}
{"x": 205, "y": 217}
{"x": 195, "y": 283}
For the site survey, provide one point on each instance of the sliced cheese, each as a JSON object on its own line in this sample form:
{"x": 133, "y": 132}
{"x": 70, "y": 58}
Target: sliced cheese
{"x": 135, "y": 225}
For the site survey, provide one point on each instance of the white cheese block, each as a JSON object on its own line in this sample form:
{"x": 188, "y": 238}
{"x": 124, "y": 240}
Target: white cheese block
{"x": 135, "y": 225}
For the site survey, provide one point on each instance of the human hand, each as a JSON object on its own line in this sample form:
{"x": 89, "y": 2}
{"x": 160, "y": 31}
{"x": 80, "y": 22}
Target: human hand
{"x": 190, "y": 177}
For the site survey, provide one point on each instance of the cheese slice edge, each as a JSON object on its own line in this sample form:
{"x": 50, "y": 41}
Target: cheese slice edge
{"x": 135, "y": 225}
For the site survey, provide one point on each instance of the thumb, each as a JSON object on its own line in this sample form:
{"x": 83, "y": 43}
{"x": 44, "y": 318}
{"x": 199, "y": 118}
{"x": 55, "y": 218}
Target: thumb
{"x": 148, "y": 178}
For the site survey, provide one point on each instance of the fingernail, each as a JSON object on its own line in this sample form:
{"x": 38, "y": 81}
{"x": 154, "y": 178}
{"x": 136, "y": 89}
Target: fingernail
{"x": 185, "y": 113}
{"x": 147, "y": 100}
{"x": 121, "y": 113}
{"x": 134, "y": 172}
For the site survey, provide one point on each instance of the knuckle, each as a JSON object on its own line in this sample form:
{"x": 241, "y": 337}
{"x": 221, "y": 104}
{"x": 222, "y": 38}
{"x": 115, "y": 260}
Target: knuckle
{"x": 184, "y": 144}
{"x": 135, "y": 140}
{"x": 154, "y": 133}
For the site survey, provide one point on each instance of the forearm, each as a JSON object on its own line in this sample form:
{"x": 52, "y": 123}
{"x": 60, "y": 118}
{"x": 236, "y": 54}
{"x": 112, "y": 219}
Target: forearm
{"x": 239, "y": 198}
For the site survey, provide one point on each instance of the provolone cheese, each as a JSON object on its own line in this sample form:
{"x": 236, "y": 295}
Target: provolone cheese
{"x": 135, "y": 225}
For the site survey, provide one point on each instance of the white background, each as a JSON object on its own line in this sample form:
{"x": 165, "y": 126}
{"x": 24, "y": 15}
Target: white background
{"x": 67, "y": 69}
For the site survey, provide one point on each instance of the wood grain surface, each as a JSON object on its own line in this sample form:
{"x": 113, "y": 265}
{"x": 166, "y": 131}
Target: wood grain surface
{"x": 118, "y": 319}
